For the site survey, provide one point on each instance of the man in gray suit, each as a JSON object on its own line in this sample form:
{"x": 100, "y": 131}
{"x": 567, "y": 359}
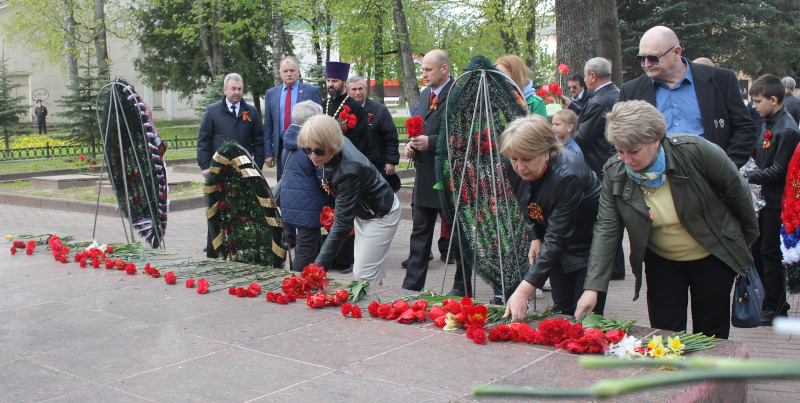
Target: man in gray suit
{"x": 278, "y": 104}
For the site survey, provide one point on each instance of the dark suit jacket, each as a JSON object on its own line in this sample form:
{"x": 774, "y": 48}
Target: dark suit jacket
{"x": 577, "y": 106}
{"x": 590, "y": 134}
{"x": 382, "y": 136}
{"x": 219, "y": 125}
{"x": 792, "y": 105}
{"x": 424, "y": 193}
{"x": 272, "y": 117}
{"x": 719, "y": 100}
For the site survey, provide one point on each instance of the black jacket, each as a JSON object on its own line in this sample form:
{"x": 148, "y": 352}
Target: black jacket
{"x": 424, "y": 193}
{"x": 568, "y": 195}
{"x": 382, "y": 137}
{"x": 773, "y": 161}
{"x": 40, "y": 112}
{"x": 219, "y": 125}
{"x": 719, "y": 100}
{"x": 792, "y": 105}
{"x": 577, "y": 106}
{"x": 590, "y": 134}
{"x": 357, "y": 135}
{"x": 360, "y": 191}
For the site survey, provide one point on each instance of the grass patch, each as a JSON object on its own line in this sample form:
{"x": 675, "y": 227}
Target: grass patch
{"x": 172, "y": 123}
{"x": 178, "y": 133}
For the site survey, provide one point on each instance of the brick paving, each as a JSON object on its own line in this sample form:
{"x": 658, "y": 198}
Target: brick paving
{"x": 186, "y": 237}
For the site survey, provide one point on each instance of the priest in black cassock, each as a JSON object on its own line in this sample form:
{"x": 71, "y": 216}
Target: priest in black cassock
{"x": 336, "y": 74}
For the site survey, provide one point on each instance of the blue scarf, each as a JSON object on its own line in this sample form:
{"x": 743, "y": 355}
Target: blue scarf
{"x": 652, "y": 176}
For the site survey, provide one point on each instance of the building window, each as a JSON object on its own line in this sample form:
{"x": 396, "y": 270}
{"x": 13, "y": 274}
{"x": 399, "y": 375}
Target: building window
{"x": 158, "y": 99}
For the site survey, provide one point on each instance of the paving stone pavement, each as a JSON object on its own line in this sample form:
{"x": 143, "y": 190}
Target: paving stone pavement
{"x": 116, "y": 352}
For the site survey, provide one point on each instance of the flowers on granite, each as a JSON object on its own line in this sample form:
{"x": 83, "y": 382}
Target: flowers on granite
{"x": 202, "y": 286}
{"x": 170, "y": 278}
{"x": 190, "y": 283}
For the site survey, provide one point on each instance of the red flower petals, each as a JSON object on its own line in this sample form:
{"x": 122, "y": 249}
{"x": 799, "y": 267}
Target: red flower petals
{"x": 109, "y": 263}
{"x": 13, "y": 250}
{"x": 190, "y": 283}
{"x": 373, "y": 309}
{"x": 501, "y": 333}
{"x": 130, "y": 268}
{"x": 346, "y": 309}
{"x": 414, "y": 126}
{"x": 326, "y": 218}
{"x": 202, "y": 286}
{"x": 355, "y": 312}
{"x": 170, "y": 278}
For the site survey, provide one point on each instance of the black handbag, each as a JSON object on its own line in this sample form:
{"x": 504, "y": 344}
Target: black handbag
{"x": 748, "y": 297}
{"x": 276, "y": 191}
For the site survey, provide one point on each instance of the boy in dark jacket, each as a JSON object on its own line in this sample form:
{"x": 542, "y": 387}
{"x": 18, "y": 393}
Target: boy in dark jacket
{"x": 772, "y": 153}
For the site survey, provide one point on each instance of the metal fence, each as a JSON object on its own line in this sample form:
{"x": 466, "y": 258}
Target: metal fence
{"x": 73, "y": 151}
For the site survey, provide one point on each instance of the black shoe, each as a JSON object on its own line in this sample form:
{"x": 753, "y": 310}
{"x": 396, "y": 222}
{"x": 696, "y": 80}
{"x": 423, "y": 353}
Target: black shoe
{"x": 347, "y": 270}
{"x": 404, "y": 263}
{"x": 451, "y": 261}
{"x": 615, "y": 278}
{"x": 205, "y": 248}
{"x": 496, "y": 301}
{"x": 767, "y": 317}
{"x": 456, "y": 293}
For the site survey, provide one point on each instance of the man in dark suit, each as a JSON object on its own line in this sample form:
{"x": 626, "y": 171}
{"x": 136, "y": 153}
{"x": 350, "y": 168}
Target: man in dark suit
{"x": 382, "y": 136}
{"x": 791, "y": 102}
{"x": 425, "y": 200}
{"x": 590, "y": 133}
{"x": 694, "y": 98}
{"x": 229, "y": 119}
{"x": 278, "y": 104}
{"x": 41, "y": 114}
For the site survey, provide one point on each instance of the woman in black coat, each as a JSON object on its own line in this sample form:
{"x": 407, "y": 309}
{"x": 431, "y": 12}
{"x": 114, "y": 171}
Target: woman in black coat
{"x": 365, "y": 202}
{"x": 558, "y": 195}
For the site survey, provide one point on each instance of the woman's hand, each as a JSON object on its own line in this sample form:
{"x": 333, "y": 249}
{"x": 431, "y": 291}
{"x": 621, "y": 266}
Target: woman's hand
{"x": 517, "y": 305}
{"x": 536, "y": 247}
{"x": 586, "y": 303}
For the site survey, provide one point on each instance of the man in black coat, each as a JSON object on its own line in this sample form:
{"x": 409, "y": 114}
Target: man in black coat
{"x": 590, "y": 133}
{"x": 41, "y": 113}
{"x": 791, "y": 102}
{"x": 425, "y": 201}
{"x": 382, "y": 136}
{"x": 229, "y": 119}
{"x": 693, "y": 98}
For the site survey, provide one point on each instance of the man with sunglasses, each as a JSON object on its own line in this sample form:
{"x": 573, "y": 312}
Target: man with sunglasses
{"x": 578, "y": 96}
{"x": 694, "y": 98}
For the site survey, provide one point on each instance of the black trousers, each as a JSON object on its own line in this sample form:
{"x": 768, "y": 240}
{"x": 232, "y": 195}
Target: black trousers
{"x": 345, "y": 256}
{"x": 567, "y": 289}
{"x": 309, "y": 243}
{"x": 767, "y": 256}
{"x": 42, "y": 126}
{"x": 709, "y": 280}
{"x": 423, "y": 224}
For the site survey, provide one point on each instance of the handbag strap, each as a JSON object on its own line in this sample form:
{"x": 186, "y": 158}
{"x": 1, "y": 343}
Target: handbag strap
{"x": 287, "y": 160}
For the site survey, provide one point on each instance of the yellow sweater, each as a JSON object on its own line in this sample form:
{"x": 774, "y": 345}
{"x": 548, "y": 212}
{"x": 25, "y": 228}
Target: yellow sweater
{"x": 668, "y": 238}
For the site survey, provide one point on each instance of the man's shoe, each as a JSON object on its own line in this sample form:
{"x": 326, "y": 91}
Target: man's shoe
{"x": 767, "y": 317}
{"x": 547, "y": 286}
{"x": 497, "y": 301}
{"x": 456, "y": 293}
{"x": 347, "y": 270}
{"x": 205, "y": 248}
{"x": 616, "y": 278}
{"x": 404, "y": 263}
{"x": 451, "y": 261}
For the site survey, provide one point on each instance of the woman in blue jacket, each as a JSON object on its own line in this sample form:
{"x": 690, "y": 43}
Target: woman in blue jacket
{"x": 302, "y": 197}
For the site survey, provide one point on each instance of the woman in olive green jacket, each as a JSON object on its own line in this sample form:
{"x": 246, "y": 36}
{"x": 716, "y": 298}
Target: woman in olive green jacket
{"x": 689, "y": 216}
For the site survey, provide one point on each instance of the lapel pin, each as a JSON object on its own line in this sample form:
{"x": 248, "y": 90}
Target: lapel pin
{"x": 716, "y": 123}
{"x": 721, "y": 123}
{"x": 301, "y": 91}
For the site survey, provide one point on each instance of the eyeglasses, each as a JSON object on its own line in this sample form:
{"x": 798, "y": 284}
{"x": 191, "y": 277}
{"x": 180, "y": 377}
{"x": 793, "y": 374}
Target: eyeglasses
{"x": 573, "y": 87}
{"x": 319, "y": 151}
{"x": 654, "y": 60}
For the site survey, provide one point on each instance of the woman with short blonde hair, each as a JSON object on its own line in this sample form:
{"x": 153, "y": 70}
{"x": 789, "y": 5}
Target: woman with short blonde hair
{"x": 365, "y": 202}
{"x": 558, "y": 195}
{"x": 637, "y": 123}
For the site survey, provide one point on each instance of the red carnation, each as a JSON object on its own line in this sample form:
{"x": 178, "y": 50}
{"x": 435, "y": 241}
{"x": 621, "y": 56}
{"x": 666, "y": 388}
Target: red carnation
{"x": 63, "y": 259}
{"x": 532, "y": 337}
{"x": 576, "y": 331}
{"x": 202, "y": 286}
{"x": 109, "y": 249}
{"x": 373, "y": 309}
{"x": 170, "y": 278}
{"x": 414, "y": 126}
{"x": 110, "y": 263}
{"x": 241, "y": 292}
{"x": 291, "y": 296}
{"x": 271, "y": 296}
{"x": 255, "y": 287}
{"x": 355, "y": 312}
{"x": 343, "y": 115}
{"x": 346, "y": 307}
{"x": 501, "y": 333}
{"x": 384, "y": 311}
{"x": 130, "y": 269}
{"x": 13, "y": 250}
{"x": 351, "y": 122}
{"x": 250, "y": 293}
{"x": 346, "y": 108}
{"x": 282, "y": 299}
{"x": 82, "y": 263}
{"x": 479, "y": 336}
{"x": 96, "y": 263}
{"x": 19, "y": 244}
{"x": 232, "y": 291}
{"x": 119, "y": 264}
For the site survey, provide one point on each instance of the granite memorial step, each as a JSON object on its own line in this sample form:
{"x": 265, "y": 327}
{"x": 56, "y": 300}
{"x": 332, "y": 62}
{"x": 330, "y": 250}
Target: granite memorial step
{"x": 63, "y": 181}
{"x": 106, "y": 190}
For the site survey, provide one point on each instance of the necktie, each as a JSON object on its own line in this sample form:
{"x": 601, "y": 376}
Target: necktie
{"x": 233, "y": 110}
{"x": 431, "y": 100}
{"x": 287, "y": 109}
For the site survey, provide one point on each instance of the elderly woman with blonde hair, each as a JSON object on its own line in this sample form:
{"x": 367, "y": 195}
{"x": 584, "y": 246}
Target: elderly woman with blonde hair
{"x": 559, "y": 195}
{"x": 364, "y": 200}
{"x": 689, "y": 217}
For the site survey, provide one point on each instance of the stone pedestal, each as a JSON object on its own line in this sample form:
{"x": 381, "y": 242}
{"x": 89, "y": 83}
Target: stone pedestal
{"x": 63, "y": 181}
{"x": 106, "y": 190}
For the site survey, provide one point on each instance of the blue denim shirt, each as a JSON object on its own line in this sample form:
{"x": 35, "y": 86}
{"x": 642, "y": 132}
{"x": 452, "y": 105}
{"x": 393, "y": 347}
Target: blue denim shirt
{"x": 574, "y": 147}
{"x": 679, "y": 104}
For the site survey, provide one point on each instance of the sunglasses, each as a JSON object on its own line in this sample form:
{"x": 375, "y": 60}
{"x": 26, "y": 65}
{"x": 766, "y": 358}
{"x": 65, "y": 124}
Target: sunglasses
{"x": 319, "y": 151}
{"x": 573, "y": 87}
{"x": 654, "y": 60}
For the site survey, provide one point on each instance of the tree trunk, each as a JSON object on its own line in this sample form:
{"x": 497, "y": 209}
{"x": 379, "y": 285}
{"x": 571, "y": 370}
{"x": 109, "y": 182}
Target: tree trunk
{"x": 69, "y": 44}
{"x": 216, "y": 39}
{"x": 509, "y": 43}
{"x": 608, "y": 41}
{"x": 575, "y": 33}
{"x": 530, "y": 37}
{"x": 100, "y": 45}
{"x": 315, "y": 36}
{"x": 328, "y": 39}
{"x": 377, "y": 42}
{"x": 277, "y": 40}
{"x": 202, "y": 24}
{"x": 410, "y": 86}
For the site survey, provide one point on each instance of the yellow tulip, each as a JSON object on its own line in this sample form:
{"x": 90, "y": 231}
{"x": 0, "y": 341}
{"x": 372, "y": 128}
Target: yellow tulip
{"x": 10, "y": 237}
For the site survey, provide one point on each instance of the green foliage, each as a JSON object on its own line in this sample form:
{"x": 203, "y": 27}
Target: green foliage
{"x": 315, "y": 75}
{"x": 80, "y": 108}
{"x": 172, "y": 54}
{"x": 10, "y": 107}
{"x": 211, "y": 94}
{"x": 751, "y": 36}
